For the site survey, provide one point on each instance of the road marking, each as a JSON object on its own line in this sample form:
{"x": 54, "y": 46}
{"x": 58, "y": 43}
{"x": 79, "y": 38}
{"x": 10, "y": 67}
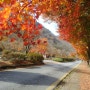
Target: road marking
{"x": 54, "y": 85}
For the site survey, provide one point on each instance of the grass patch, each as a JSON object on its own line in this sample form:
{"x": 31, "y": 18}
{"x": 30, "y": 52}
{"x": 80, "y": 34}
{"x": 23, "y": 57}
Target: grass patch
{"x": 58, "y": 59}
{"x": 63, "y": 59}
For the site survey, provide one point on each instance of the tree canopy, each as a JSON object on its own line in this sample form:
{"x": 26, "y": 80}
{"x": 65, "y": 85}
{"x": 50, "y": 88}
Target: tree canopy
{"x": 72, "y": 16}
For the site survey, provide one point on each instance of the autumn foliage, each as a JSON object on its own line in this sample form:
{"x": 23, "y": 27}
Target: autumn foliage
{"x": 41, "y": 47}
{"x": 73, "y": 18}
{"x": 17, "y": 19}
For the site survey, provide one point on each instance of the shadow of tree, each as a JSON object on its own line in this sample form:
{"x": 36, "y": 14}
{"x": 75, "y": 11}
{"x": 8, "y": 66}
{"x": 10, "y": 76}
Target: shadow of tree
{"x": 31, "y": 78}
{"x": 26, "y": 78}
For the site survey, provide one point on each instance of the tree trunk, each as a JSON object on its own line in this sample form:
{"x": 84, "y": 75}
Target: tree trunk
{"x": 88, "y": 51}
{"x": 28, "y": 47}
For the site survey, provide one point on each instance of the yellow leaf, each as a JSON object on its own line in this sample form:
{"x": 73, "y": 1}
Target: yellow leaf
{"x": 69, "y": 11}
{"x": 1, "y": 1}
{"x": 5, "y": 38}
{"x": 7, "y": 1}
{"x": 7, "y": 11}
{"x": 35, "y": 1}
{"x": 19, "y": 18}
{"x": 23, "y": 27}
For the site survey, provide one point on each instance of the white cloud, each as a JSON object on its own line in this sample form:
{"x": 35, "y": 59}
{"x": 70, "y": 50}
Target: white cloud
{"x": 51, "y": 25}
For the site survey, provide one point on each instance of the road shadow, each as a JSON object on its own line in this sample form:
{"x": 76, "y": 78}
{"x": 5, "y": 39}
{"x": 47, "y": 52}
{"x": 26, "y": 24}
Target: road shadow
{"x": 26, "y": 78}
{"x": 29, "y": 78}
{"x": 33, "y": 67}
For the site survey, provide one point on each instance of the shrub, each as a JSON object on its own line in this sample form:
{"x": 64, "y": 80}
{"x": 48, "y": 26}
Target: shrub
{"x": 19, "y": 62}
{"x": 6, "y": 54}
{"x": 68, "y": 59}
{"x": 35, "y": 58}
{"x": 58, "y": 59}
{"x": 9, "y": 55}
{"x": 18, "y": 56}
{"x": 63, "y": 59}
{"x": 1, "y": 49}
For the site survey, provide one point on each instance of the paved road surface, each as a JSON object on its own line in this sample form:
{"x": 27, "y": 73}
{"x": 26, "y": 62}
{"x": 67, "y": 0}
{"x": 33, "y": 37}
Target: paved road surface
{"x": 36, "y": 77}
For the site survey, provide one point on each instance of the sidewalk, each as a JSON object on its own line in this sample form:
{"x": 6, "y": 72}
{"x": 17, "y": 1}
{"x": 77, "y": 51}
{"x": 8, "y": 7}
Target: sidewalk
{"x": 79, "y": 79}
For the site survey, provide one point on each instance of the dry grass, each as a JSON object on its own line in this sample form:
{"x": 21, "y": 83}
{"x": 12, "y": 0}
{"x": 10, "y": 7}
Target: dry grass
{"x": 5, "y": 63}
{"x": 10, "y": 64}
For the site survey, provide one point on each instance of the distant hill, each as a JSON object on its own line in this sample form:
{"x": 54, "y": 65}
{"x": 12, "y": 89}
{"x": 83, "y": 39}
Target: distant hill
{"x": 55, "y": 45}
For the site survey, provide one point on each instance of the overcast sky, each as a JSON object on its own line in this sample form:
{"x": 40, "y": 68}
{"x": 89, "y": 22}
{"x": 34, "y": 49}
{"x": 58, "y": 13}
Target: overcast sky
{"x": 51, "y": 25}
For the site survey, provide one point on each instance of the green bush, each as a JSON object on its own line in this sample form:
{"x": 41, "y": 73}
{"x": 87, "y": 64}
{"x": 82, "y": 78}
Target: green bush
{"x": 58, "y": 59}
{"x": 6, "y": 54}
{"x": 18, "y": 56}
{"x": 9, "y": 55}
{"x": 63, "y": 59}
{"x": 68, "y": 59}
{"x": 1, "y": 49}
{"x": 35, "y": 58}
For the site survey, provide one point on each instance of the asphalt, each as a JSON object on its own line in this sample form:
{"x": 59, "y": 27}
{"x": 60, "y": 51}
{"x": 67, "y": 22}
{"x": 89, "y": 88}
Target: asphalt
{"x": 35, "y": 77}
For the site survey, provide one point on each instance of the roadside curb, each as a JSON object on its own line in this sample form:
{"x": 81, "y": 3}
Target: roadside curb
{"x": 55, "y": 84}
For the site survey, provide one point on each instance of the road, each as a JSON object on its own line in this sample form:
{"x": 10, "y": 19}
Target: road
{"x": 35, "y": 77}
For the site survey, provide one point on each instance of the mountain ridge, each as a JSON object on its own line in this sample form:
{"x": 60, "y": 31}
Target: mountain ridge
{"x": 54, "y": 42}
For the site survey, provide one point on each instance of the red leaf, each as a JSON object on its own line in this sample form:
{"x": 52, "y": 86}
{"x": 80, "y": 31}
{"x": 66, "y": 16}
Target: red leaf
{"x": 45, "y": 42}
{"x": 38, "y": 41}
{"x": 1, "y": 33}
{"x": 33, "y": 43}
{"x": 12, "y": 39}
{"x": 40, "y": 26}
{"x": 19, "y": 35}
{"x": 26, "y": 43}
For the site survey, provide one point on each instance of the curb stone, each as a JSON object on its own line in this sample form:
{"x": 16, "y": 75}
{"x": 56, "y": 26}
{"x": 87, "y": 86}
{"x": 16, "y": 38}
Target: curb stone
{"x": 54, "y": 85}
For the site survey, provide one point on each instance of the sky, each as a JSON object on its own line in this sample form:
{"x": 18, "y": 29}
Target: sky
{"x": 50, "y": 25}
